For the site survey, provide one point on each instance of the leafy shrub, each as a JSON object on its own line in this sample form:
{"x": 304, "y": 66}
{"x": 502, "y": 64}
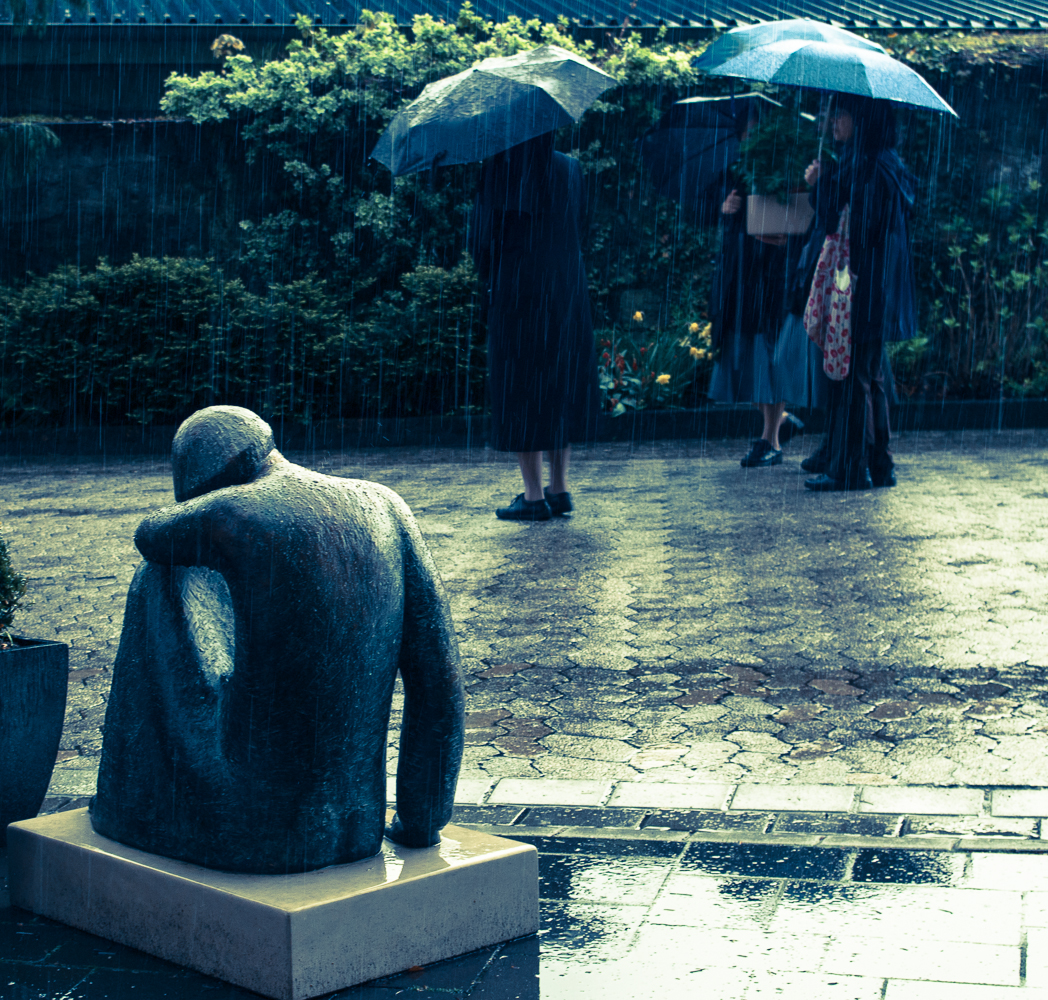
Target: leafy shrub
{"x": 12, "y": 593}
{"x": 152, "y": 340}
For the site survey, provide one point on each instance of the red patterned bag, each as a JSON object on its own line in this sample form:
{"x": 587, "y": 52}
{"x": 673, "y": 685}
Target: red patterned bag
{"x": 827, "y": 316}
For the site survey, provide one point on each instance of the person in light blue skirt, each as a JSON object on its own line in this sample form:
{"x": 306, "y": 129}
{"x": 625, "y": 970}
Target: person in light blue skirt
{"x": 761, "y": 356}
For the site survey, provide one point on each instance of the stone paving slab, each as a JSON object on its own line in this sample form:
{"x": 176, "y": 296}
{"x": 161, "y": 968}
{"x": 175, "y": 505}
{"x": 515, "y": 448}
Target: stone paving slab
{"x": 694, "y": 622}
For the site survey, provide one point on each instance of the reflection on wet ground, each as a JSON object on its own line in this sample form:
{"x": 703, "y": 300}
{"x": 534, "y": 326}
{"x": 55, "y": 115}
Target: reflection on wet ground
{"x": 692, "y": 620}
{"x": 652, "y": 919}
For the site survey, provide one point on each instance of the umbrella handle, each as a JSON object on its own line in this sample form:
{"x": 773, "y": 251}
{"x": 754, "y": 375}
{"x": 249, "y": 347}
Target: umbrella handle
{"x": 434, "y": 163}
{"x": 824, "y": 119}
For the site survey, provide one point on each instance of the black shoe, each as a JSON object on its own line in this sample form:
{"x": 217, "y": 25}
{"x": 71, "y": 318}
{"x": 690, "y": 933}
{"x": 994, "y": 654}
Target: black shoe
{"x": 824, "y": 483}
{"x": 760, "y": 455}
{"x": 789, "y": 426}
{"x": 524, "y": 510}
{"x": 883, "y": 478}
{"x": 559, "y": 503}
{"x": 817, "y": 462}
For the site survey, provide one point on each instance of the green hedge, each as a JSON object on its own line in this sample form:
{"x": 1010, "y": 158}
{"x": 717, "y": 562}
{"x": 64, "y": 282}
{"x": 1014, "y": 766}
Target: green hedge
{"x": 351, "y": 293}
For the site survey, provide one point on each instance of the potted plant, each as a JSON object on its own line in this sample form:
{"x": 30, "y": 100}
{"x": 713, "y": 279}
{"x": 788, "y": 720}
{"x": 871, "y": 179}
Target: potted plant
{"x": 34, "y": 674}
{"x": 775, "y": 153}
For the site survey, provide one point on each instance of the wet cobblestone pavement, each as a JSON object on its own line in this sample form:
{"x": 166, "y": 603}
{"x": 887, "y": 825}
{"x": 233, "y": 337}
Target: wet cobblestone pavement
{"x": 693, "y": 621}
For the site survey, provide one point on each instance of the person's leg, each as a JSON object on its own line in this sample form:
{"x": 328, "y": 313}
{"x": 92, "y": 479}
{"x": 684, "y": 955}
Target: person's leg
{"x": 836, "y": 408}
{"x": 531, "y": 470}
{"x": 772, "y": 414}
{"x": 557, "y": 495}
{"x": 848, "y": 456}
{"x": 530, "y": 505}
{"x": 879, "y": 433}
{"x": 559, "y": 459}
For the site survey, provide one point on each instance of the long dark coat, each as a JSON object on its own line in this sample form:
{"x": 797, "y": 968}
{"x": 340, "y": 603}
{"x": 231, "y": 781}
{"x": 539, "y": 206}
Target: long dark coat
{"x": 882, "y": 193}
{"x": 527, "y": 247}
{"x": 748, "y": 294}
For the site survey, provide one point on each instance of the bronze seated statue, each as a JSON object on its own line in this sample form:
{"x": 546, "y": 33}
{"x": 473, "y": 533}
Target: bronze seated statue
{"x": 247, "y": 725}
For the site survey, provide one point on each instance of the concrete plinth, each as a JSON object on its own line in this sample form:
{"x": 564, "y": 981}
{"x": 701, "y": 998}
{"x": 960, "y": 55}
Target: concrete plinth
{"x": 285, "y": 936}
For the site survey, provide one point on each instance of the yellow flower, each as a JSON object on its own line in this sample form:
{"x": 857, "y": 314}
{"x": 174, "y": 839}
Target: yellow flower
{"x": 663, "y": 380}
{"x": 696, "y": 353}
{"x": 638, "y": 317}
{"x": 706, "y": 333}
{"x": 693, "y": 328}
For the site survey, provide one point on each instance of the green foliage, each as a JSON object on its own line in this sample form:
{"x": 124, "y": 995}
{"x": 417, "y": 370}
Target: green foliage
{"x": 23, "y": 148}
{"x": 957, "y": 52}
{"x": 981, "y": 255}
{"x": 385, "y": 244}
{"x": 345, "y": 292}
{"x": 12, "y": 592}
{"x": 152, "y": 340}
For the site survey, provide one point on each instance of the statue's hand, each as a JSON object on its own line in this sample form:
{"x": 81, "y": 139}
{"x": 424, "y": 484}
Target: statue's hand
{"x": 406, "y": 838}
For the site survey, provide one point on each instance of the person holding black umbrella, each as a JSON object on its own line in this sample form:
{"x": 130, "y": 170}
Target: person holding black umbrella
{"x": 871, "y": 180}
{"x": 542, "y": 365}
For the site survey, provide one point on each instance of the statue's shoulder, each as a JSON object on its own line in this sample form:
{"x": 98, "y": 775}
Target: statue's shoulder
{"x": 361, "y": 491}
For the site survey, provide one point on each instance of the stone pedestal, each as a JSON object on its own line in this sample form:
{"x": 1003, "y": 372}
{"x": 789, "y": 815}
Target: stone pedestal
{"x": 285, "y": 936}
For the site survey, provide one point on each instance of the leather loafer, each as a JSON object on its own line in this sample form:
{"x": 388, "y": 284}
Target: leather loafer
{"x": 789, "y": 426}
{"x": 760, "y": 455}
{"x": 884, "y": 478}
{"x": 524, "y": 510}
{"x": 817, "y": 462}
{"x": 825, "y": 483}
{"x": 559, "y": 503}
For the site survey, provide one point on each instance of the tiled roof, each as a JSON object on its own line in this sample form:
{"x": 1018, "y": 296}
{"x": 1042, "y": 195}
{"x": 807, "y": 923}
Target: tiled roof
{"x": 1001, "y": 14}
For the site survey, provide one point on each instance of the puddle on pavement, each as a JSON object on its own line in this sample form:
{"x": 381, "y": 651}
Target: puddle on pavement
{"x": 629, "y": 880}
{"x": 909, "y": 867}
{"x": 765, "y": 861}
{"x": 603, "y": 847}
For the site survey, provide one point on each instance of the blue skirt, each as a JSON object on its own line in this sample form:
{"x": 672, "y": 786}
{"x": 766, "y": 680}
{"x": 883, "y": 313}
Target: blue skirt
{"x": 758, "y": 370}
{"x": 754, "y": 370}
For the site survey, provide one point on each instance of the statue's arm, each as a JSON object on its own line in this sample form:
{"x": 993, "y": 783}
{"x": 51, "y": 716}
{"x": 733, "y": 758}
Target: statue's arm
{"x": 184, "y": 534}
{"x": 432, "y": 731}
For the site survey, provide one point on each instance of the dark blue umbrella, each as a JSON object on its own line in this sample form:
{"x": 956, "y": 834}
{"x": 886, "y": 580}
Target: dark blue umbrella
{"x": 841, "y": 68}
{"x": 739, "y": 40}
{"x": 694, "y": 141}
{"x": 496, "y": 104}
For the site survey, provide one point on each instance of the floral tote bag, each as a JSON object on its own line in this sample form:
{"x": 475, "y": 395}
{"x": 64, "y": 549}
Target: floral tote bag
{"x": 827, "y": 316}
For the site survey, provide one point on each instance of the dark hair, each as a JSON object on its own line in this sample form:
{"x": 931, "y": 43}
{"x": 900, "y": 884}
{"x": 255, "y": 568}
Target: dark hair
{"x": 518, "y": 179}
{"x": 875, "y": 125}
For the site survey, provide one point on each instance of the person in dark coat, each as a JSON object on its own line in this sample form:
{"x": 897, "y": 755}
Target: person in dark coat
{"x": 541, "y": 357}
{"x": 871, "y": 178}
{"x": 748, "y": 307}
{"x": 747, "y": 311}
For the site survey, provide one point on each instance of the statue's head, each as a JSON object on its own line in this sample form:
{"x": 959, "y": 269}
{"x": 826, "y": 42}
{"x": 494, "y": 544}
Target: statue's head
{"x": 216, "y": 447}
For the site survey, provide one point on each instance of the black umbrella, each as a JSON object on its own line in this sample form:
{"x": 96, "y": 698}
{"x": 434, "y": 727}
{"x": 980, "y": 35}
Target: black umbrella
{"x": 496, "y": 104}
{"x": 694, "y": 141}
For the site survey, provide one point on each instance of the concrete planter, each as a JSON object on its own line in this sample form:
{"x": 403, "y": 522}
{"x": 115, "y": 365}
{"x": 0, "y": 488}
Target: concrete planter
{"x": 34, "y": 675}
